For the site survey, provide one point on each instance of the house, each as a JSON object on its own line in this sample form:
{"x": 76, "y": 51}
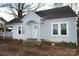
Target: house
{"x": 58, "y": 24}
{"x": 2, "y": 26}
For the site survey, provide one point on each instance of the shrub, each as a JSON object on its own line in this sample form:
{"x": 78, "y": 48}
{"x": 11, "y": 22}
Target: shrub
{"x": 45, "y": 43}
{"x": 67, "y": 45}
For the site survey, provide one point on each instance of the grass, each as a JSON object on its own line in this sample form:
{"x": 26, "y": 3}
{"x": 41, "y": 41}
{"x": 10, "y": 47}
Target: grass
{"x": 46, "y": 42}
{"x": 43, "y": 43}
{"x": 15, "y": 47}
{"x": 66, "y": 45}
{"x": 59, "y": 44}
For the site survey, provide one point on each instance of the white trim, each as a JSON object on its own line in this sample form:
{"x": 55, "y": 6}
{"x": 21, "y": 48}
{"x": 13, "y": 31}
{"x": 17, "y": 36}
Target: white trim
{"x": 39, "y": 31}
{"x": 52, "y": 29}
{"x": 59, "y": 29}
{"x": 76, "y": 32}
{"x": 66, "y": 28}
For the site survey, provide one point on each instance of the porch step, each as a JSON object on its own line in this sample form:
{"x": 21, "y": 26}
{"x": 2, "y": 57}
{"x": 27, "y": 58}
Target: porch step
{"x": 32, "y": 42}
{"x": 31, "y": 39}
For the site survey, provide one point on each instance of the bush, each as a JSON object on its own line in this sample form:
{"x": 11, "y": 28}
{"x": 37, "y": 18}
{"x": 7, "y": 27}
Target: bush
{"x": 46, "y": 42}
{"x": 67, "y": 45}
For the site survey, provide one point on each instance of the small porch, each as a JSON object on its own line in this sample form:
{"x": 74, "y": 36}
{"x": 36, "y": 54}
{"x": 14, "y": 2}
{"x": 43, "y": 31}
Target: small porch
{"x": 2, "y": 30}
{"x": 34, "y": 30}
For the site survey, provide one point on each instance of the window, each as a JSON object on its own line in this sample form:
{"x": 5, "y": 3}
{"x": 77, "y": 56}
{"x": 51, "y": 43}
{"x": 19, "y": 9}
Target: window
{"x": 19, "y": 29}
{"x": 59, "y": 28}
{"x": 63, "y": 29}
{"x": 55, "y": 29}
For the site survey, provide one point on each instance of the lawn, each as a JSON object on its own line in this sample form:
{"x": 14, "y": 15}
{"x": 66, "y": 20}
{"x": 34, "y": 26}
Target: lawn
{"x": 12, "y": 47}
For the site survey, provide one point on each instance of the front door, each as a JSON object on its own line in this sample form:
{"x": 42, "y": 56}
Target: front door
{"x": 34, "y": 31}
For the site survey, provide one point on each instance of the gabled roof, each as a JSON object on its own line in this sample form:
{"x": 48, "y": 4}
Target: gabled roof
{"x": 61, "y": 12}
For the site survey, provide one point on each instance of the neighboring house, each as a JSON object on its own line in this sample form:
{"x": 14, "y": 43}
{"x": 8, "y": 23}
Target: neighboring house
{"x": 2, "y": 26}
{"x": 58, "y": 24}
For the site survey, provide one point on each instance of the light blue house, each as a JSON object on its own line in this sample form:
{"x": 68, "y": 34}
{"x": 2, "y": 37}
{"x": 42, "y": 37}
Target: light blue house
{"x": 58, "y": 24}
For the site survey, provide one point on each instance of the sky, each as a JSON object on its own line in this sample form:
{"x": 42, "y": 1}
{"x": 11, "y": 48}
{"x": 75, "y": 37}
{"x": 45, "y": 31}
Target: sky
{"x": 8, "y": 17}
{"x": 5, "y": 15}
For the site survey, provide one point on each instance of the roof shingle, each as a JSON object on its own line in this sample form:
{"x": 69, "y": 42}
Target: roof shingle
{"x": 61, "y": 12}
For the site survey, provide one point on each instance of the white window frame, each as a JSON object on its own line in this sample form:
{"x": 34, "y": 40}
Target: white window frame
{"x": 59, "y": 28}
{"x": 18, "y": 29}
{"x": 66, "y": 28}
{"x": 52, "y": 29}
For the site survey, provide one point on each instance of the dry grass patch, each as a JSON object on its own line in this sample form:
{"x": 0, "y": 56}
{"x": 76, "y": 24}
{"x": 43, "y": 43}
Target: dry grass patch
{"x": 18, "y": 48}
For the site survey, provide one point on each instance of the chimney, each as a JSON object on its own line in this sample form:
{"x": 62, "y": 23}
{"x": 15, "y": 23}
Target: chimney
{"x": 19, "y": 13}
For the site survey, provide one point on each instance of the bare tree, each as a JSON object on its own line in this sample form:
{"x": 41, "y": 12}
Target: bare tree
{"x": 15, "y": 7}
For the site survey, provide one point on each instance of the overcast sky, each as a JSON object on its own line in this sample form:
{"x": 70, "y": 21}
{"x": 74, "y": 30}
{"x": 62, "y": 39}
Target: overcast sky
{"x": 7, "y": 17}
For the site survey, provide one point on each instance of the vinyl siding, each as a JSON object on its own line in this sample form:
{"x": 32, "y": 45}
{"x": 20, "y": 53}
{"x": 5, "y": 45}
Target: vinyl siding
{"x": 46, "y": 30}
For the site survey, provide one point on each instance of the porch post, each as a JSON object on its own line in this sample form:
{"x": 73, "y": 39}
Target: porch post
{"x": 76, "y": 32}
{"x": 39, "y": 31}
{"x": 4, "y": 31}
{"x": 38, "y": 37}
